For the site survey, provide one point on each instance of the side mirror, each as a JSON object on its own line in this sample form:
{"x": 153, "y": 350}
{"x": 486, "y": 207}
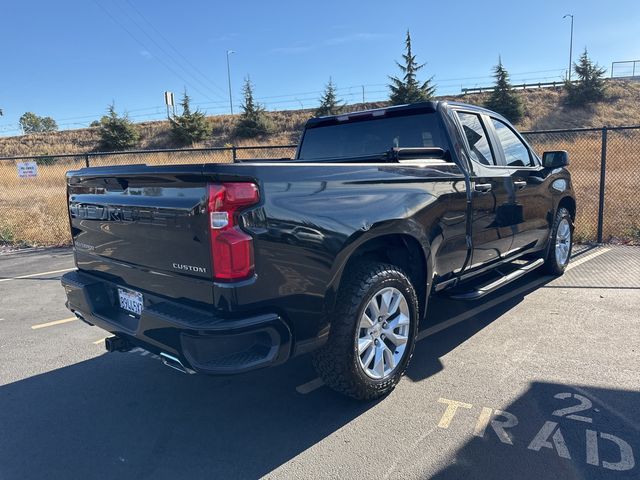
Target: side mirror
{"x": 556, "y": 159}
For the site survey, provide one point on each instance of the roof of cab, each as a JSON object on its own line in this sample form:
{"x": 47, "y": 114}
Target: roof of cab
{"x": 395, "y": 110}
{"x": 430, "y": 106}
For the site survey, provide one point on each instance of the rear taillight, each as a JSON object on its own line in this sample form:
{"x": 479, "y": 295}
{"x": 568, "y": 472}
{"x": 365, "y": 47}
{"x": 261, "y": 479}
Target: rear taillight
{"x": 231, "y": 248}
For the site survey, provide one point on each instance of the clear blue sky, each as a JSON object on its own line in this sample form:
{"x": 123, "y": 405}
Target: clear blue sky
{"x": 70, "y": 59}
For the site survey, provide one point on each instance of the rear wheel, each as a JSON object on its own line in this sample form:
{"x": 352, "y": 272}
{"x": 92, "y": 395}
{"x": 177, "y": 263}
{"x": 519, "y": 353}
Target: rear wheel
{"x": 560, "y": 245}
{"x": 373, "y": 330}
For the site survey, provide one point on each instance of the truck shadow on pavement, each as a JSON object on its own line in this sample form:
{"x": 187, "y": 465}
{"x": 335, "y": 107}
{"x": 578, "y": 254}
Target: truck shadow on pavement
{"x": 123, "y": 415}
{"x": 127, "y": 416}
{"x": 550, "y": 431}
{"x": 426, "y": 358}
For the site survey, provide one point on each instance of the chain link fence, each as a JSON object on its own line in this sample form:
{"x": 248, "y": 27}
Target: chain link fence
{"x": 33, "y": 204}
{"x": 604, "y": 162}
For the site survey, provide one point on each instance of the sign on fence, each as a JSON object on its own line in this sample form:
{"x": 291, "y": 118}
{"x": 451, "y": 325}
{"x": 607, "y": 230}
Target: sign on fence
{"x": 27, "y": 169}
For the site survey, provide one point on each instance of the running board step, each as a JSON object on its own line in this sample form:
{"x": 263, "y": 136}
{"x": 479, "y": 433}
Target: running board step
{"x": 500, "y": 282}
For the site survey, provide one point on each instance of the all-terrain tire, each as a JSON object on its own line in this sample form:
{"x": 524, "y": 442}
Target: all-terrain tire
{"x": 338, "y": 362}
{"x": 558, "y": 257}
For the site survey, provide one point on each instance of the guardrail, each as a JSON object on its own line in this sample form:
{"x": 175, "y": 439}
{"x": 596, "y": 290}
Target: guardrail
{"x": 519, "y": 86}
{"x": 630, "y": 69}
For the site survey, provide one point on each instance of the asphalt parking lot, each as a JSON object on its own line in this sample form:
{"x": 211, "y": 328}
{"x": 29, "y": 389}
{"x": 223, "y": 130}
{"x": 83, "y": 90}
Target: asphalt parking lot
{"x": 540, "y": 380}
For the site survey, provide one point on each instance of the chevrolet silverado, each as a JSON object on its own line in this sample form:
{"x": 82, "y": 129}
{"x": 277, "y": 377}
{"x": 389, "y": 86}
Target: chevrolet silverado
{"x": 224, "y": 268}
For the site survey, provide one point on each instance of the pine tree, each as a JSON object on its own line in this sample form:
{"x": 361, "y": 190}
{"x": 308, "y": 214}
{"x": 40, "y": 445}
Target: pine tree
{"x": 590, "y": 86}
{"x": 407, "y": 89}
{"x": 503, "y": 99}
{"x": 117, "y": 133}
{"x": 253, "y": 121}
{"x": 190, "y": 127}
{"x": 329, "y": 103}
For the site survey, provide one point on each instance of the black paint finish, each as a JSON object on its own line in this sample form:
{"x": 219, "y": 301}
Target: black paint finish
{"x": 138, "y": 226}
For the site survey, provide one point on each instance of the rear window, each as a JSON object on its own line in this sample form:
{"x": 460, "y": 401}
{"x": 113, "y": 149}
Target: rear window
{"x": 371, "y": 136}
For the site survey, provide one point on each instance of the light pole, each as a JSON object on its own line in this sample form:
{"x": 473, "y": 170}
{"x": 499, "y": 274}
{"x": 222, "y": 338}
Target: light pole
{"x": 570, "y": 46}
{"x": 229, "y": 52}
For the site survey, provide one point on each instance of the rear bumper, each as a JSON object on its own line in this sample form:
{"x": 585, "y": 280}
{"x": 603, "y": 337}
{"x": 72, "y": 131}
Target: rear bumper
{"x": 201, "y": 340}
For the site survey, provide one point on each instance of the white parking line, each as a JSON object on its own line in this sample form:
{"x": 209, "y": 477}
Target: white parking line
{"x": 36, "y": 274}
{"x": 479, "y": 309}
{"x": 51, "y": 324}
{"x": 586, "y": 258}
{"x": 310, "y": 386}
{"x": 316, "y": 383}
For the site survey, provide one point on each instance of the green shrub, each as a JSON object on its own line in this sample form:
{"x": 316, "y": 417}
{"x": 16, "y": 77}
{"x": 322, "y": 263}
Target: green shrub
{"x": 590, "y": 87}
{"x": 503, "y": 99}
{"x": 253, "y": 121}
{"x": 117, "y": 133}
{"x": 329, "y": 103}
{"x": 190, "y": 127}
{"x": 46, "y": 160}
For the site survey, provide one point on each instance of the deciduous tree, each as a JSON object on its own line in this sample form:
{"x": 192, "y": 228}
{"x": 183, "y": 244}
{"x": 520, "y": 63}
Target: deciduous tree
{"x": 32, "y": 123}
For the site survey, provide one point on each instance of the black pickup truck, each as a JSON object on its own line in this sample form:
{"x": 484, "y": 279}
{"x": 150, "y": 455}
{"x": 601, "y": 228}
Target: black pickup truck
{"x": 224, "y": 268}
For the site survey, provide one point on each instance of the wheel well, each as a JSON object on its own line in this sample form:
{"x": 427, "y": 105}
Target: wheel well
{"x": 570, "y": 204}
{"x": 403, "y": 251}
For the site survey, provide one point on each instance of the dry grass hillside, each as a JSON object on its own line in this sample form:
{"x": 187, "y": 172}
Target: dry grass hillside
{"x": 156, "y": 135}
{"x": 33, "y": 211}
{"x": 153, "y": 135}
{"x": 544, "y": 109}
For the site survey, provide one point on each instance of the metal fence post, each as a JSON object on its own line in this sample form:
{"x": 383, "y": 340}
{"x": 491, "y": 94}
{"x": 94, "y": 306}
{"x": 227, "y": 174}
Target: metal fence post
{"x": 603, "y": 169}
{"x": 233, "y": 153}
{"x": 86, "y": 159}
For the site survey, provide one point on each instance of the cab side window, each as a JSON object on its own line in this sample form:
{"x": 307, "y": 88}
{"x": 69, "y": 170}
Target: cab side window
{"x": 477, "y": 138}
{"x": 516, "y": 152}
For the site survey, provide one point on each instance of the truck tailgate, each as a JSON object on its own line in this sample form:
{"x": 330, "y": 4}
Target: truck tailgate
{"x": 144, "y": 227}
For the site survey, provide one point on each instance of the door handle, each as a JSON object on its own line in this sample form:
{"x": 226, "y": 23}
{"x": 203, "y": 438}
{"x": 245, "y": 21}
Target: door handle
{"x": 520, "y": 184}
{"x": 482, "y": 187}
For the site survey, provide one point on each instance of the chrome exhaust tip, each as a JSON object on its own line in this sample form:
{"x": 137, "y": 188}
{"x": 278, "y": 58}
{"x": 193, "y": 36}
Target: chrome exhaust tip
{"x": 80, "y": 316}
{"x": 173, "y": 362}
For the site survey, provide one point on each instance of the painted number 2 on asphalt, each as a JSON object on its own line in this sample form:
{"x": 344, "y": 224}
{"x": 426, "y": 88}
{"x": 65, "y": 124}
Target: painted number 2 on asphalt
{"x": 550, "y": 435}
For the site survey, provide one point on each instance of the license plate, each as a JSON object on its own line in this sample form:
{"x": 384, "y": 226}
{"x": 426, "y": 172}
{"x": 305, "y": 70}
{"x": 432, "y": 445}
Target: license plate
{"x": 130, "y": 301}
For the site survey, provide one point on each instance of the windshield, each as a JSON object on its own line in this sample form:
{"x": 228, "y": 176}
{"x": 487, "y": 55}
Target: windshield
{"x": 372, "y": 136}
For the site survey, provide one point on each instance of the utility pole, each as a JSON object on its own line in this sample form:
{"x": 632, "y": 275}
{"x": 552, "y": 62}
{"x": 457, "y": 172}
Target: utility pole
{"x": 570, "y": 47}
{"x": 229, "y": 52}
{"x": 362, "y": 93}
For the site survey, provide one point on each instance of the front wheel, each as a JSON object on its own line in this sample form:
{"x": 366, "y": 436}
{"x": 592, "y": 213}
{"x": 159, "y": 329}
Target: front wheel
{"x": 560, "y": 243}
{"x": 373, "y": 332}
